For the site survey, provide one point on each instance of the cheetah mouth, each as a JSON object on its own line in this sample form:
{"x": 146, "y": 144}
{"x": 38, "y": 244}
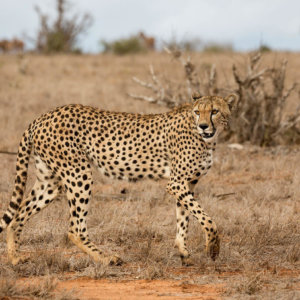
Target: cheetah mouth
{"x": 207, "y": 135}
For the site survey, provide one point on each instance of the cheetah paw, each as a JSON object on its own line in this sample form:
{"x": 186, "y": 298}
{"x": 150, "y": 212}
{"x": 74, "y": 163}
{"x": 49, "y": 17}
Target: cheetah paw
{"x": 186, "y": 261}
{"x": 115, "y": 260}
{"x": 213, "y": 248}
{"x": 19, "y": 259}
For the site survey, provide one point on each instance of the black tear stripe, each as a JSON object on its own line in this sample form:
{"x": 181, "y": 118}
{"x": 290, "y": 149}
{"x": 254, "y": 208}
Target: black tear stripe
{"x": 212, "y": 123}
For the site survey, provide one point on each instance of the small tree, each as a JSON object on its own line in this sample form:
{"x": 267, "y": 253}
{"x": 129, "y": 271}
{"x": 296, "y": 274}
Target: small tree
{"x": 62, "y": 35}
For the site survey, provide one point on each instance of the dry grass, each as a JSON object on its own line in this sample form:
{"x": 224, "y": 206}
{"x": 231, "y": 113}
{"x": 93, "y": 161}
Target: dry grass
{"x": 38, "y": 289}
{"x": 253, "y": 194}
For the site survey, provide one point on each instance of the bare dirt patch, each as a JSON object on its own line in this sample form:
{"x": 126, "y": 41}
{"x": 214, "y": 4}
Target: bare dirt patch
{"x": 141, "y": 289}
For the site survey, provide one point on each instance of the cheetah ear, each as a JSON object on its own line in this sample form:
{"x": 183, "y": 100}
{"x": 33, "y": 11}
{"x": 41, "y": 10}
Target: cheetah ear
{"x": 196, "y": 96}
{"x": 231, "y": 100}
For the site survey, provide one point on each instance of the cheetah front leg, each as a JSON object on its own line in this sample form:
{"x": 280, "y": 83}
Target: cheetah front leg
{"x": 186, "y": 201}
{"x": 182, "y": 223}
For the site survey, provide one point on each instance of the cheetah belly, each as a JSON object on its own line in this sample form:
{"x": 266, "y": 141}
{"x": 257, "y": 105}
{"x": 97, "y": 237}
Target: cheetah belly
{"x": 133, "y": 168}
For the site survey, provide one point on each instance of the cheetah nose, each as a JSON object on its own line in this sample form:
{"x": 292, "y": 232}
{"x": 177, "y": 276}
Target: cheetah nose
{"x": 203, "y": 126}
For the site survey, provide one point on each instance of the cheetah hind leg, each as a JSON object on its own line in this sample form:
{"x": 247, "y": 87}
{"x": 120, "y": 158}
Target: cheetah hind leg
{"x": 78, "y": 201}
{"x": 42, "y": 194}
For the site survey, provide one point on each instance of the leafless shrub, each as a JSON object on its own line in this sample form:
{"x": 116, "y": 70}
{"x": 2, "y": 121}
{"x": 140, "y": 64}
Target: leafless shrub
{"x": 63, "y": 34}
{"x": 170, "y": 93}
{"x": 259, "y": 117}
{"x": 163, "y": 94}
{"x": 262, "y": 93}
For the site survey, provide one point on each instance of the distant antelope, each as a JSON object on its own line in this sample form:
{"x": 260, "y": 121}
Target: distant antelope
{"x": 4, "y": 45}
{"x": 148, "y": 41}
{"x": 15, "y": 45}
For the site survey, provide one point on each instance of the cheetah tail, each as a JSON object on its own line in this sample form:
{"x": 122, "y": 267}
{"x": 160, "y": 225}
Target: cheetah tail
{"x": 20, "y": 180}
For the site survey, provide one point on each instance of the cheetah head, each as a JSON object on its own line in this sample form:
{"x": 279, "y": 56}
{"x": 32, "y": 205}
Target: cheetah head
{"x": 211, "y": 114}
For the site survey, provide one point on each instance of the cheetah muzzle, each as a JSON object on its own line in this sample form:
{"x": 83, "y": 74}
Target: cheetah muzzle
{"x": 66, "y": 142}
{"x": 206, "y": 135}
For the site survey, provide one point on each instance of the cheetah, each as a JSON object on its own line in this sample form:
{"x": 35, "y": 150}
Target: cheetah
{"x": 66, "y": 142}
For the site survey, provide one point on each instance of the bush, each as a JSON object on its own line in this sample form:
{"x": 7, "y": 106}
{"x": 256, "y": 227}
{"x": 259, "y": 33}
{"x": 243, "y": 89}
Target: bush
{"x": 129, "y": 45}
{"x": 264, "y": 48}
{"x": 263, "y": 95}
{"x": 185, "y": 44}
{"x": 62, "y": 35}
{"x": 218, "y": 48}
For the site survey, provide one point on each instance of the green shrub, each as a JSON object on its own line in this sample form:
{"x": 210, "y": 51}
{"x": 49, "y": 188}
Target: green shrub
{"x": 218, "y": 48}
{"x": 124, "y": 46}
{"x": 185, "y": 44}
{"x": 264, "y": 48}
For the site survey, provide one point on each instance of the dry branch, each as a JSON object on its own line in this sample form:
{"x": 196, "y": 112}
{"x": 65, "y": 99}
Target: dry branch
{"x": 158, "y": 90}
{"x": 8, "y": 152}
{"x": 172, "y": 94}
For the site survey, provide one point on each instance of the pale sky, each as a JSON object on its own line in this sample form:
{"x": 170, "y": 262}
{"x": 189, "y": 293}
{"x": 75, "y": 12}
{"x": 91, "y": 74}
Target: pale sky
{"x": 244, "y": 23}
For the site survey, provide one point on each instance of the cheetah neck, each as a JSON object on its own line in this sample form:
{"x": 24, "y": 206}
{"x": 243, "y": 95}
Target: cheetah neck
{"x": 211, "y": 145}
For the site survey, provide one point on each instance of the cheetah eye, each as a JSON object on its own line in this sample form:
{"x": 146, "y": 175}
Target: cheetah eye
{"x": 214, "y": 111}
{"x": 197, "y": 112}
